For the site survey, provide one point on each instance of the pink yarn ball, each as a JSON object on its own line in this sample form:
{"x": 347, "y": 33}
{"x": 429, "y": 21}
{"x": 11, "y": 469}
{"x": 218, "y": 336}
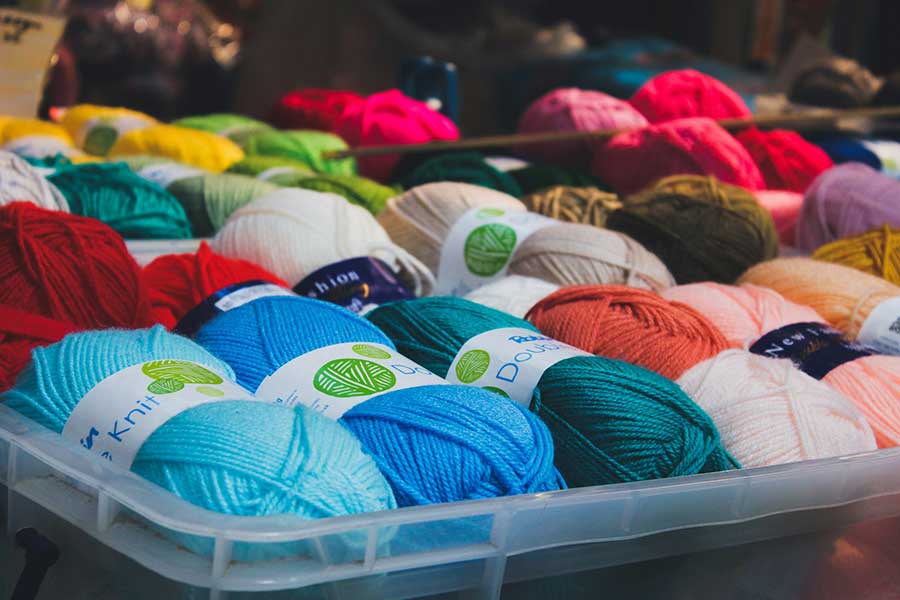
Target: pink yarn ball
{"x": 687, "y": 93}
{"x": 390, "y": 118}
{"x": 574, "y": 109}
{"x": 633, "y": 160}
{"x": 784, "y": 207}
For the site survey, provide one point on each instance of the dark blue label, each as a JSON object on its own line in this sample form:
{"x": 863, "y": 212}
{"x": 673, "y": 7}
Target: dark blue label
{"x": 815, "y": 348}
{"x": 226, "y": 299}
{"x": 354, "y": 283}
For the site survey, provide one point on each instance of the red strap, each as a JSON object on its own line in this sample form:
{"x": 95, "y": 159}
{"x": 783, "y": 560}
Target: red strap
{"x": 19, "y": 322}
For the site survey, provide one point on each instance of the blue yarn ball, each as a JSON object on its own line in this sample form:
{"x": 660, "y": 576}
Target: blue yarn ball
{"x": 842, "y": 149}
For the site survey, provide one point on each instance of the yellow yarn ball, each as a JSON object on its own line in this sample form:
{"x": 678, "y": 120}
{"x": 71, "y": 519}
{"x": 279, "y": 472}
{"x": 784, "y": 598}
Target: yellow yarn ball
{"x": 876, "y": 252}
{"x": 207, "y": 151}
{"x": 95, "y": 128}
{"x": 13, "y": 128}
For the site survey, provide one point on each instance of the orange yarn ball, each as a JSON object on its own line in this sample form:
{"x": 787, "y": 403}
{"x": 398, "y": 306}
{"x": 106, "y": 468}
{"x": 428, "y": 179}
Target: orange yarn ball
{"x": 633, "y": 325}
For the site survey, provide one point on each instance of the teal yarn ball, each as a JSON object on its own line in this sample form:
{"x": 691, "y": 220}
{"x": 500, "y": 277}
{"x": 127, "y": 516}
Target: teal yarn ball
{"x": 464, "y": 167}
{"x": 611, "y": 421}
{"x": 237, "y": 128}
{"x": 237, "y": 457}
{"x": 114, "y": 194}
{"x": 433, "y": 443}
{"x": 305, "y": 146}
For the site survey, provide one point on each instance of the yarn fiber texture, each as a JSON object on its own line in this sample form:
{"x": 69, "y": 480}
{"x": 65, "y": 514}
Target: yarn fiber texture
{"x": 361, "y": 191}
{"x": 237, "y": 128}
{"x": 96, "y": 128}
{"x": 178, "y": 282}
{"x": 201, "y": 149}
{"x": 305, "y": 146}
{"x": 464, "y": 167}
{"x": 633, "y": 325}
{"x": 513, "y": 294}
{"x": 841, "y": 149}
{"x": 785, "y": 208}
{"x": 844, "y": 201}
{"x": 834, "y": 82}
{"x": 697, "y": 146}
{"x": 611, "y": 421}
{"x": 876, "y": 252}
{"x": 20, "y": 181}
{"x": 208, "y": 200}
{"x": 770, "y": 413}
{"x": 114, "y": 194}
{"x": 786, "y": 160}
{"x": 538, "y": 177}
{"x": 390, "y": 118}
{"x": 256, "y": 165}
{"x": 311, "y": 108}
{"x": 588, "y": 205}
{"x": 61, "y": 273}
{"x": 432, "y": 443}
{"x": 233, "y": 456}
{"x": 574, "y": 109}
{"x": 701, "y": 228}
{"x": 687, "y": 93}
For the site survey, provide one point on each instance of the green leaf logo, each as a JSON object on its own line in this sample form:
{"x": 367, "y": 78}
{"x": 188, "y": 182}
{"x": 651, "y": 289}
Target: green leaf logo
{"x": 370, "y": 351}
{"x": 496, "y": 390}
{"x": 472, "y": 365}
{"x": 484, "y": 213}
{"x": 488, "y": 248}
{"x": 350, "y": 377}
{"x": 181, "y": 370}
{"x": 100, "y": 139}
{"x": 165, "y": 386}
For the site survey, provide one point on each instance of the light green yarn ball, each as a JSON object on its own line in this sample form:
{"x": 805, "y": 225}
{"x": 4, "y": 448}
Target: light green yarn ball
{"x": 305, "y": 146}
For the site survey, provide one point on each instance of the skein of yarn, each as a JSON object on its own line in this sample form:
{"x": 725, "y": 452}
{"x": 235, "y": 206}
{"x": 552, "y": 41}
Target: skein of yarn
{"x": 305, "y": 146}
{"x": 687, "y": 93}
{"x": 33, "y": 138}
{"x": 200, "y": 149}
{"x": 20, "y": 181}
{"x": 834, "y": 82}
{"x": 61, "y": 273}
{"x": 847, "y": 200}
{"x": 311, "y": 108}
{"x": 538, "y": 177}
{"x": 237, "y": 128}
{"x": 361, "y": 191}
{"x": 574, "y": 109}
{"x": 737, "y": 231}
{"x": 841, "y": 149}
{"x": 611, "y": 421}
{"x": 786, "y": 160}
{"x": 96, "y": 128}
{"x": 588, "y": 205}
{"x": 464, "y": 167}
{"x": 390, "y": 118}
{"x": 514, "y": 294}
{"x": 876, "y": 252}
{"x": 770, "y": 413}
{"x": 698, "y": 146}
{"x": 270, "y": 168}
{"x": 785, "y": 210}
{"x": 633, "y": 325}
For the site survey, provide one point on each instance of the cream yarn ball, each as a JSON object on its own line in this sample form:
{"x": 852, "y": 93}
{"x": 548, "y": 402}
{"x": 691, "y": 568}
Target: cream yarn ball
{"x": 768, "y": 412}
{"x": 514, "y": 294}
{"x": 20, "y": 181}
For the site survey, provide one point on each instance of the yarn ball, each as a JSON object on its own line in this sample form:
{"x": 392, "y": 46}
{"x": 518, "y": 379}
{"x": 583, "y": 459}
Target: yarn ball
{"x": 270, "y": 168}
{"x": 588, "y": 205}
{"x": 43, "y": 147}
{"x": 785, "y": 210}
{"x": 701, "y": 228}
{"x": 633, "y": 325}
{"x": 305, "y": 146}
{"x": 361, "y": 191}
{"x": 786, "y": 160}
{"x": 390, "y": 118}
{"x": 841, "y": 149}
{"x": 178, "y": 282}
{"x": 61, "y": 273}
{"x": 232, "y": 456}
{"x": 538, "y": 177}
{"x": 293, "y": 232}
{"x": 611, "y": 421}
{"x": 876, "y": 252}
{"x": 14, "y": 128}
{"x": 687, "y": 93}
{"x": 514, "y": 294}
{"x": 575, "y": 254}
{"x": 310, "y": 108}
{"x": 237, "y": 128}
{"x": 847, "y": 200}
{"x": 433, "y": 443}
{"x": 465, "y": 167}
{"x": 201, "y": 149}
{"x": 95, "y": 128}
{"x": 631, "y": 161}
{"x": 834, "y": 82}
{"x": 114, "y": 194}
{"x": 209, "y": 200}
{"x": 20, "y": 181}
{"x": 770, "y": 413}
{"x": 574, "y": 109}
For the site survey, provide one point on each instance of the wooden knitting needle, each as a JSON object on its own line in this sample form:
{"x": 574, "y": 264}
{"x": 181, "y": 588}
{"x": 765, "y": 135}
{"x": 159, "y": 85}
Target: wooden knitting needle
{"x": 798, "y": 120}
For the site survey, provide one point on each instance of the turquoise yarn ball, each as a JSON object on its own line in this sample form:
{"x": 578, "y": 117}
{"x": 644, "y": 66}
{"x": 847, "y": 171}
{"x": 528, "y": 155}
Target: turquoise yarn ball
{"x": 432, "y": 443}
{"x": 236, "y": 457}
{"x": 114, "y": 194}
{"x": 611, "y": 421}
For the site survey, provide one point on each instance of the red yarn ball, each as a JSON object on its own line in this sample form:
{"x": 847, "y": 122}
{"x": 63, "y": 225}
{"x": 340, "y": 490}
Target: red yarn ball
{"x": 179, "y": 282}
{"x": 311, "y": 108}
{"x": 391, "y": 118}
{"x": 61, "y": 273}
{"x": 631, "y": 161}
{"x": 687, "y": 93}
{"x": 786, "y": 160}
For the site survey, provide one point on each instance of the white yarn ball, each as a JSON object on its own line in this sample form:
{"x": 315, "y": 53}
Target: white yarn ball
{"x": 20, "y": 181}
{"x": 292, "y": 232}
{"x": 515, "y": 294}
{"x": 769, "y": 412}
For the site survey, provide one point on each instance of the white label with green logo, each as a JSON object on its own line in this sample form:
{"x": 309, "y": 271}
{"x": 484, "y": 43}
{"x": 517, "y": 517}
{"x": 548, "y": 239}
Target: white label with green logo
{"x": 334, "y": 379}
{"x": 165, "y": 174}
{"x": 509, "y": 361}
{"x": 118, "y": 414}
{"x": 480, "y": 243}
{"x": 98, "y": 134}
{"x": 881, "y": 329}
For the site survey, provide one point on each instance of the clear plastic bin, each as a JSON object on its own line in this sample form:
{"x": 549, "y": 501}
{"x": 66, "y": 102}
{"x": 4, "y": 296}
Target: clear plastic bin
{"x": 120, "y": 532}
{"x": 144, "y": 251}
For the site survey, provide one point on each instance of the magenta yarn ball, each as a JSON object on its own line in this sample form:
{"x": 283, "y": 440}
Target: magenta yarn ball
{"x": 687, "y": 93}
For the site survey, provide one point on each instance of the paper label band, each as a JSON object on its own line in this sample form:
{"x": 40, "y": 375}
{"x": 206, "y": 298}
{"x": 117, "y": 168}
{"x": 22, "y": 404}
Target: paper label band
{"x": 118, "y": 414}
{"x": 478, "y": 248}
{"x": 359, "y": 284}
{"x": 226, "y": 299}
{"x": 165, "y": 174}
{"x": 881, "y": 329}
{"x": 275, "y": 171}
{"x": 334, "y": 379}
{"x": 814, "y": 348}
{"x": 509, "y": 361}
